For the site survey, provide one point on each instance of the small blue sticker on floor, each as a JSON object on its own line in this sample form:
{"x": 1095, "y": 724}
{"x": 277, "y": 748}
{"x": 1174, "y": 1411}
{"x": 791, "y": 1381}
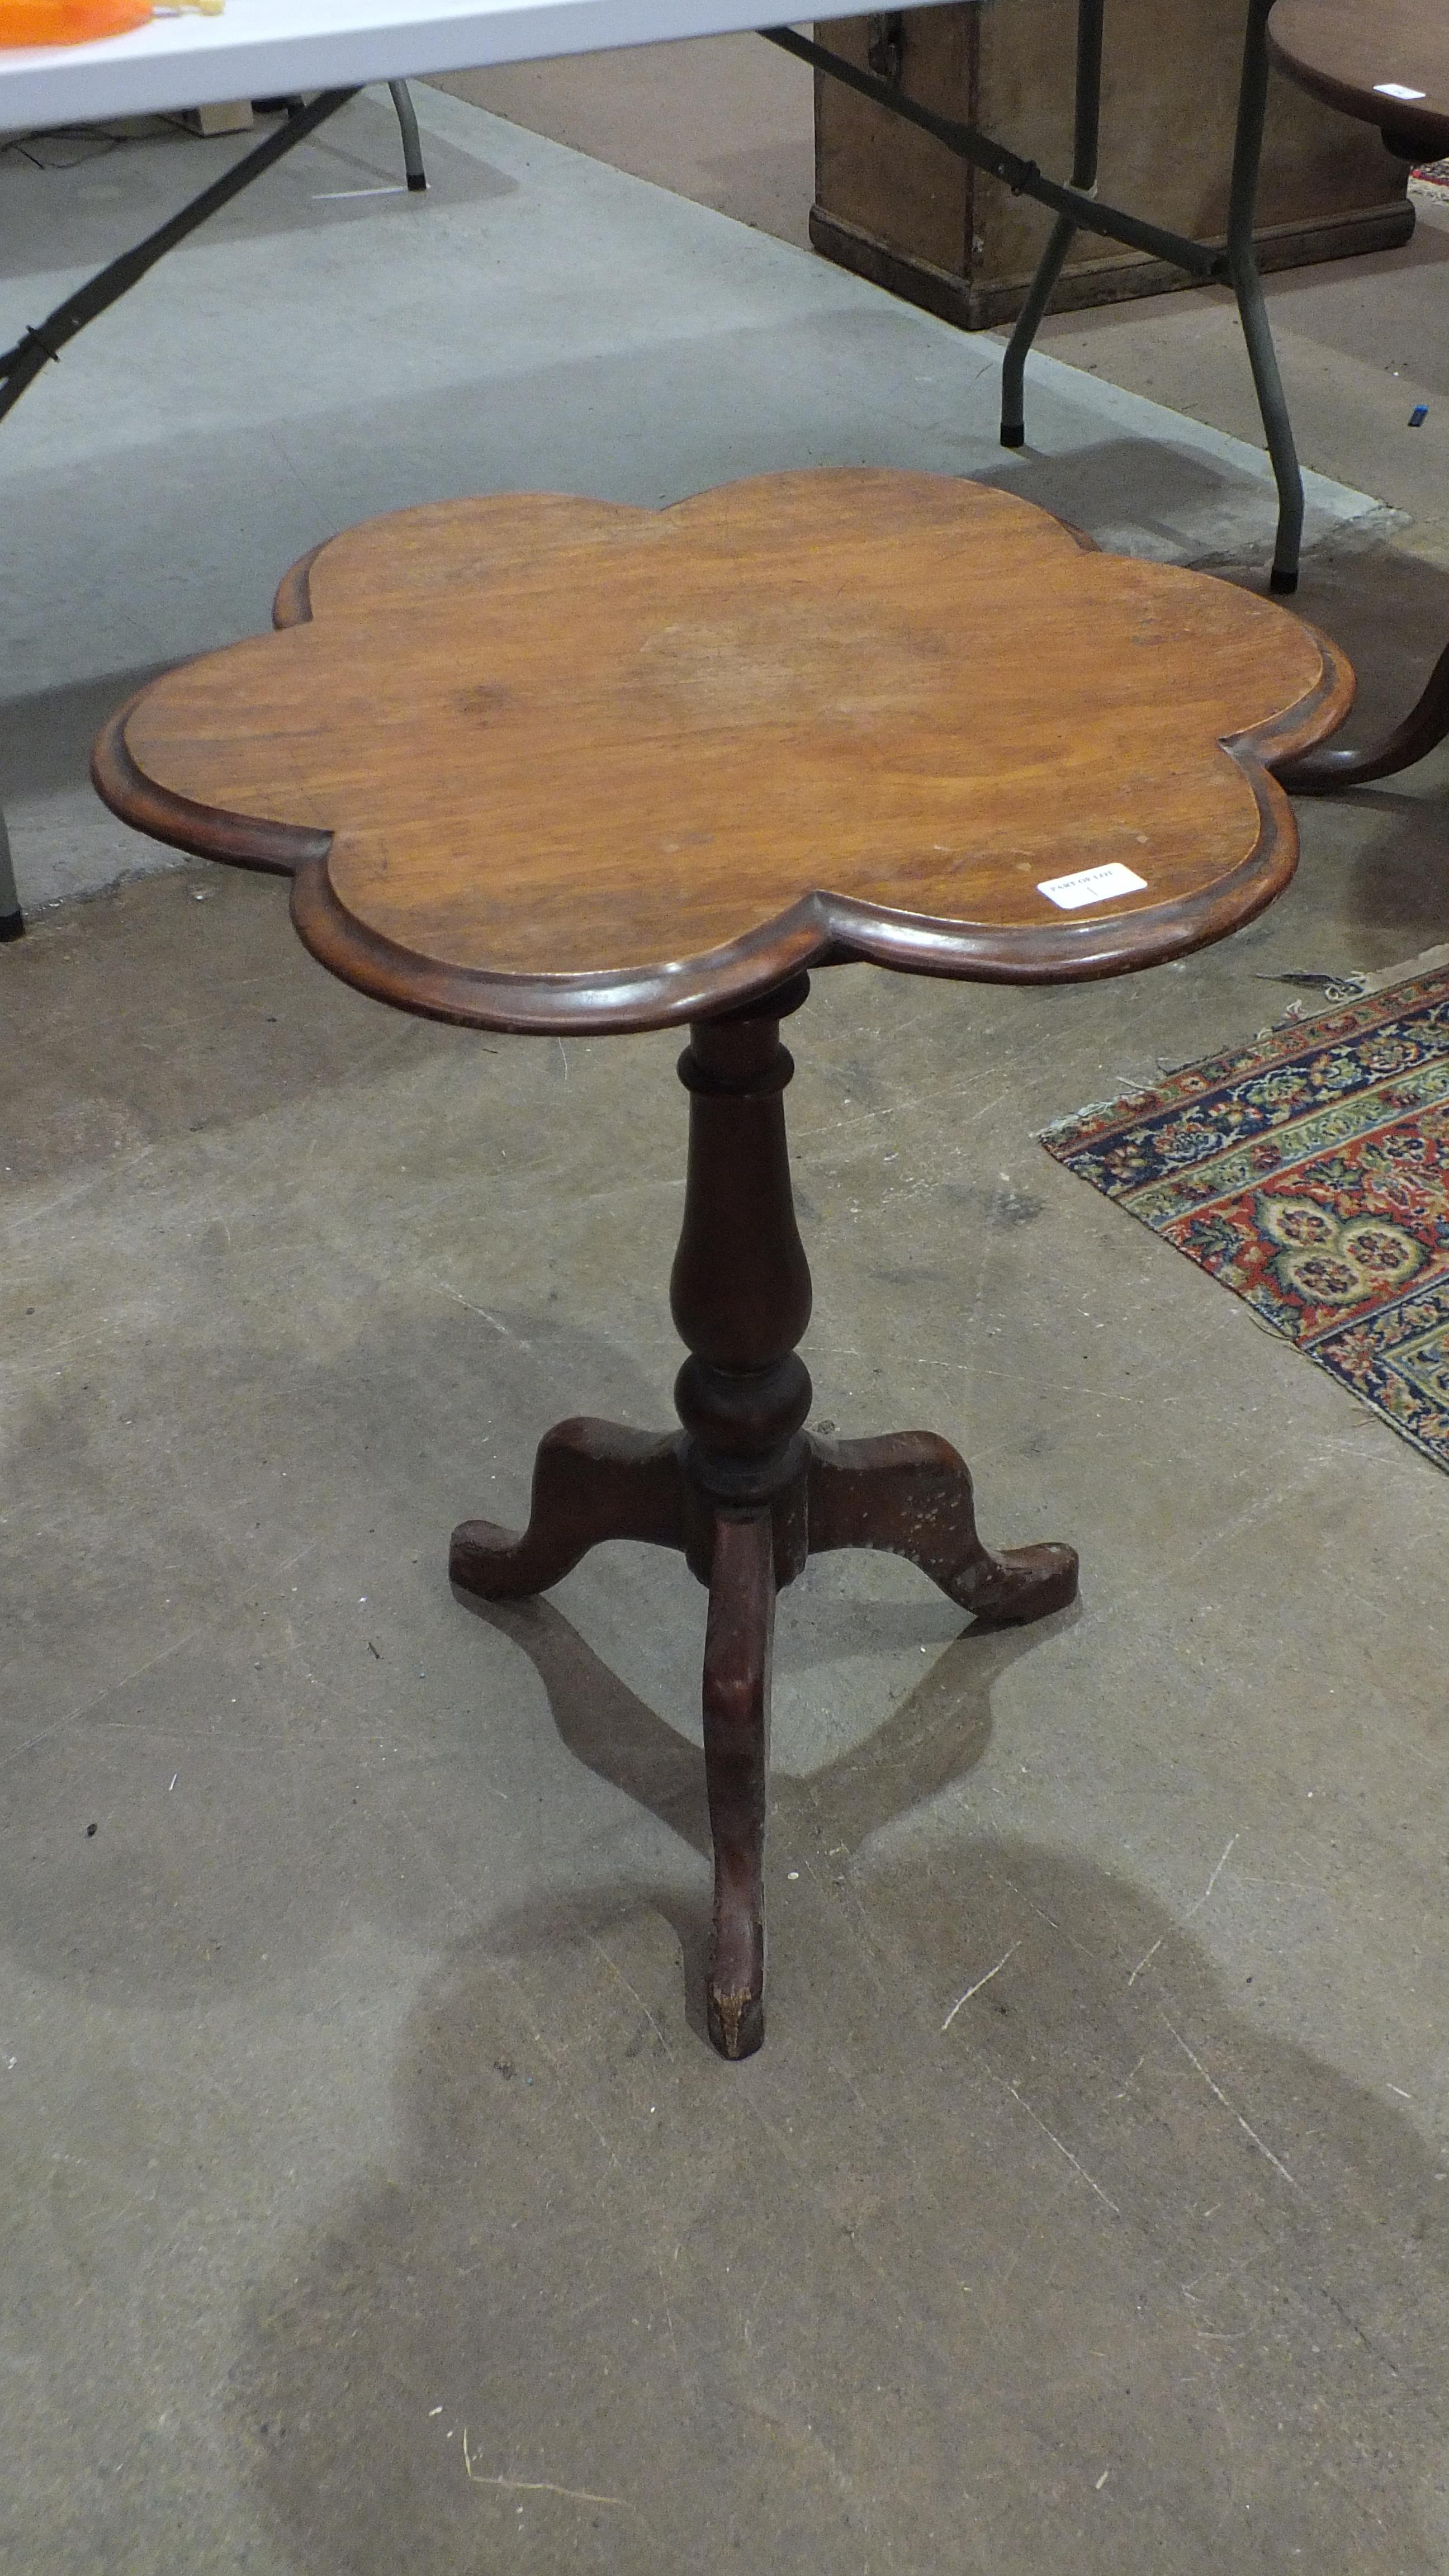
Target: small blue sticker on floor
{"x": 1418, "y": 415}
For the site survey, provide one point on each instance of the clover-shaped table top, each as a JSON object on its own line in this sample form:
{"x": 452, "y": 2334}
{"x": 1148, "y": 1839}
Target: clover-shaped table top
{"x": 1387, "y": 65}
{"x": 551, "y": 764}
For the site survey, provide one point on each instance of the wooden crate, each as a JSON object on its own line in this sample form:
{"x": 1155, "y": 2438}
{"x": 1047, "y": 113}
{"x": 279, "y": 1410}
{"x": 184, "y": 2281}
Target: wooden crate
{"x": 896, "y": 207}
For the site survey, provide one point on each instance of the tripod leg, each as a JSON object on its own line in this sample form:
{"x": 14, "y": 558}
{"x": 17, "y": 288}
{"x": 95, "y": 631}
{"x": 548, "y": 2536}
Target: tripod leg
{"x": 911, "y": 1495}
{"x": 591, "y": 1481}
{"x": 1320, "y": 772}
{"x": 738, "y": 1638}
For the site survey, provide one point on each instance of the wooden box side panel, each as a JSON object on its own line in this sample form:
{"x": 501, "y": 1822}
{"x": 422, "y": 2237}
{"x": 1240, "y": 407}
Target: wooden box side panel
{"x": 885, "y": 177}
{"x": 1169, "y": 107}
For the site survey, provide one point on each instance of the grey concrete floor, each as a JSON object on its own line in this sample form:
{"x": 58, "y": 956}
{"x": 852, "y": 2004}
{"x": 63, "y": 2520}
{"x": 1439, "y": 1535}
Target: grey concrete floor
{"x": 727, "y": 121}
{"x": 373, "y": 2199}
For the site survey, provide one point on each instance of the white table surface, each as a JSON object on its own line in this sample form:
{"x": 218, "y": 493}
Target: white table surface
{"x": 270, "y": 48}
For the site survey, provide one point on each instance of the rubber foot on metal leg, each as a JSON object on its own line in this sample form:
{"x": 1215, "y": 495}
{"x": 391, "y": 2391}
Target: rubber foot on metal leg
{"x": 12, "y": 925}
{"x": 418, "y": 186}
{"x": 1282, "y": 584}
{"x": 1012, "y": 437}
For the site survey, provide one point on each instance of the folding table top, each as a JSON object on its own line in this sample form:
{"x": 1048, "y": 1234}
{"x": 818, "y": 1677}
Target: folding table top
{"x": 271, "y": 48}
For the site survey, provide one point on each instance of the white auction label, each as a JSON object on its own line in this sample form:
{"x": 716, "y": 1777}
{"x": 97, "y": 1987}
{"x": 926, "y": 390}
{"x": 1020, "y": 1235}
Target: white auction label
{"x": 1395, "y": 89}
{"x": 1092, "y": 885}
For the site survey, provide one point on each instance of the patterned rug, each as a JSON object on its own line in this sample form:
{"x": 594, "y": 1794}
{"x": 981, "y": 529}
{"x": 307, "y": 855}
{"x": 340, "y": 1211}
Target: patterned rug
{"x": 1309, "y": 1172}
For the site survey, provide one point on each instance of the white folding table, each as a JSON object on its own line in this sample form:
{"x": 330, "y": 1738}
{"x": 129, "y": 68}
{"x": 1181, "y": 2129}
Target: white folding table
{"x": 275, "y": 48}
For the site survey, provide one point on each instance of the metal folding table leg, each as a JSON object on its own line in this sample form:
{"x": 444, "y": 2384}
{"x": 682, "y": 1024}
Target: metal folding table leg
{"x": 1252, "y": 311}
{"x": 402, "y": 99}
{"x": 12, "y": 919}
{"x": 1088, "y": 110}
{"x": 1240, "y": 263}
{"x": 44, "y": 341}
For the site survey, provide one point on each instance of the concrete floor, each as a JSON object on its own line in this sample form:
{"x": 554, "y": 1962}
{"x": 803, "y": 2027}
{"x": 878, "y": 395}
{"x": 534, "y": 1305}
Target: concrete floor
{"x": 726, "y": 121}
{"x": 374, "y": 2201}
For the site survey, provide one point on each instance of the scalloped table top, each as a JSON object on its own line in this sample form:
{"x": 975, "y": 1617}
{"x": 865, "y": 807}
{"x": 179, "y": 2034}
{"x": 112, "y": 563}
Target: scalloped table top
{"x": 553, "y": 764}
{"x": 1387, "y": 64}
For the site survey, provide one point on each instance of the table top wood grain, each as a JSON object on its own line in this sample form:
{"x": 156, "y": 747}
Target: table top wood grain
{"x": 1386, "y": 63}
{"x": 556, "y": 764}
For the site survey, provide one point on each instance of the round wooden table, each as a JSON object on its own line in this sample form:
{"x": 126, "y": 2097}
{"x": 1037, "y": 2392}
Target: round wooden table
{"x": 562, "y": 765}
{"x": 1385, "y": 62}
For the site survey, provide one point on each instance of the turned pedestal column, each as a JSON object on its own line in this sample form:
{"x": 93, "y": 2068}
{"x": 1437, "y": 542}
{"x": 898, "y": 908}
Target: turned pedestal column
{"x": 742, "y": 1489}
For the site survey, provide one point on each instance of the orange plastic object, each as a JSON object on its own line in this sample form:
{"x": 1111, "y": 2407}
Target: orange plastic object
{"x": 68, "y": 22}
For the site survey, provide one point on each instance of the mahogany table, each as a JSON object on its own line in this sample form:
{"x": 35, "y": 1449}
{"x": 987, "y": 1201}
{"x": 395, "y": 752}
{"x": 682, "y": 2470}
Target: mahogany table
{"x": 563, "y": 765}
{"x": 1387, "y": 64}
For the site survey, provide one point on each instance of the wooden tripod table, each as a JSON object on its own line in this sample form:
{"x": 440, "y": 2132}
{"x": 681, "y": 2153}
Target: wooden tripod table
{"x": 567, "y": 766}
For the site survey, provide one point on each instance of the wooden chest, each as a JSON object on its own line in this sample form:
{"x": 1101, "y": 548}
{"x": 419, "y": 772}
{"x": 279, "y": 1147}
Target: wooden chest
{"x": 896, "y": 207}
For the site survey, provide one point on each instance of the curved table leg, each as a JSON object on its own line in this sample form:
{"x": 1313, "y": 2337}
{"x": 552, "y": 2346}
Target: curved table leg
{"x": 911, "y": 1495}
{"x": 739, "y": 1634}
{"x": 1319, "y": 773}
{"x": 591, "y": 1481}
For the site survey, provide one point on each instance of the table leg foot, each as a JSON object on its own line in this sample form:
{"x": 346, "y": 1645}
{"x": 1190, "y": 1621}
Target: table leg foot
{"x": 738, "y": 1638}
{"x": 591, "y": 1481}
{"x": 911, "y": 1494}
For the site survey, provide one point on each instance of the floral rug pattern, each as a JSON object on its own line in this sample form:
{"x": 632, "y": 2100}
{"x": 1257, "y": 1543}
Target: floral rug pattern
{"x": 1309, "y": 1172}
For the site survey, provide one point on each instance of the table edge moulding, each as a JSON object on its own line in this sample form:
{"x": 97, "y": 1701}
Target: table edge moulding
{"x": 144, "y": 779}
